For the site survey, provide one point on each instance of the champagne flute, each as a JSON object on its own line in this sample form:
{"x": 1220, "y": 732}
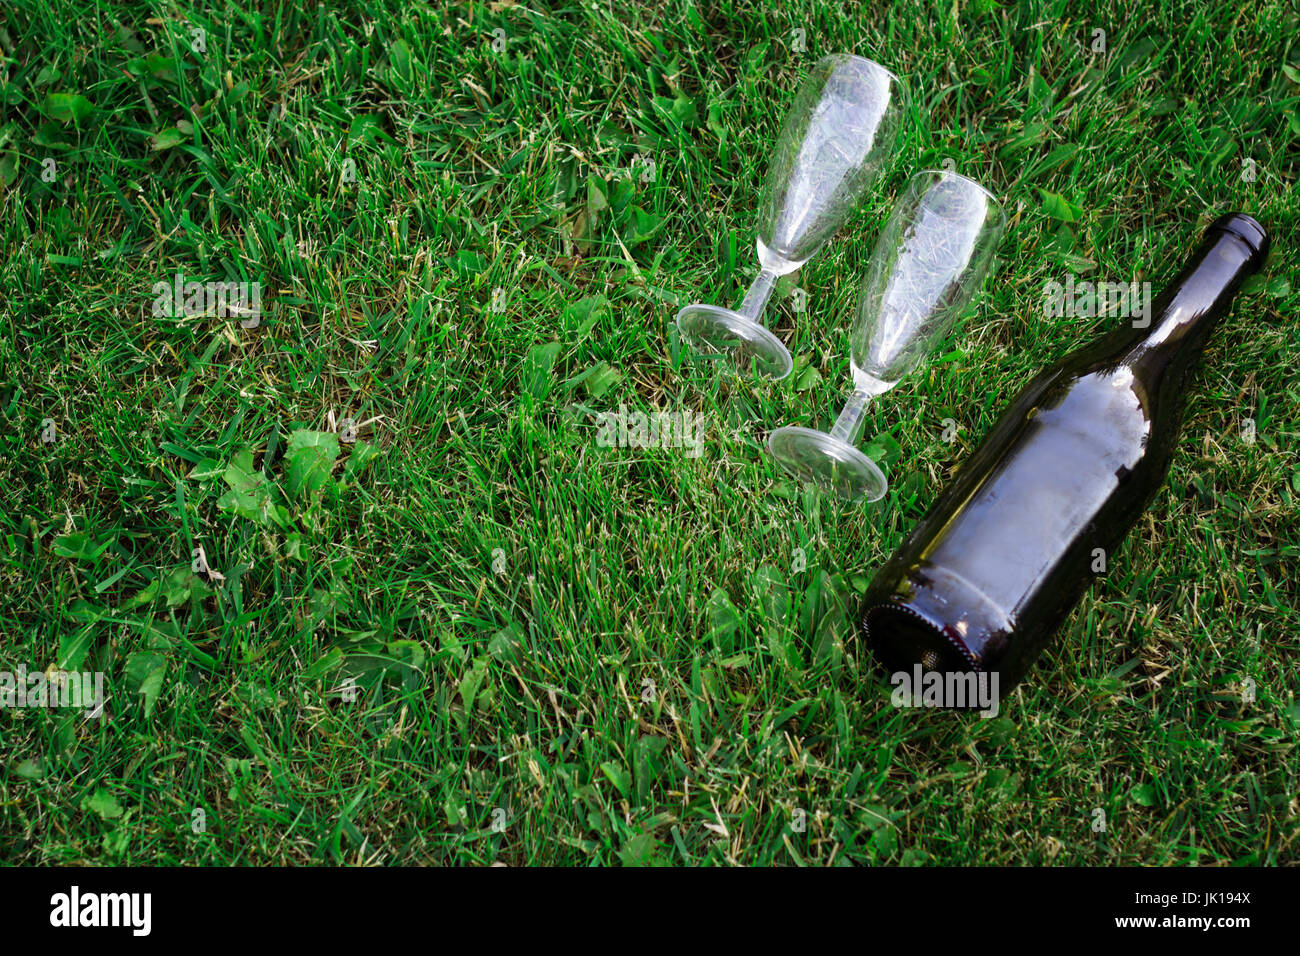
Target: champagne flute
{"x": 929, "y": 261}
{"x": 837, "y": 139}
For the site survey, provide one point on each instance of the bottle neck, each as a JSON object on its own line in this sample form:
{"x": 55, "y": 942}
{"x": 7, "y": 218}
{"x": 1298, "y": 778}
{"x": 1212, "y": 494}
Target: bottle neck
{"x": 1183, "y": 316}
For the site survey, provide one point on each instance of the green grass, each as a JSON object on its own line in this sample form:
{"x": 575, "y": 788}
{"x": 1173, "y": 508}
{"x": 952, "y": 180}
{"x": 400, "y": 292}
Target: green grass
{"x": 650, "y": 676}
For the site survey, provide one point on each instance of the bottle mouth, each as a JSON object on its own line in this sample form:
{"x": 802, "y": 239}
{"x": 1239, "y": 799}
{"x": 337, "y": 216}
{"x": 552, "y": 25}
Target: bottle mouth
{"x": 1249, "y": 230}
{"x": 902, "y": 638}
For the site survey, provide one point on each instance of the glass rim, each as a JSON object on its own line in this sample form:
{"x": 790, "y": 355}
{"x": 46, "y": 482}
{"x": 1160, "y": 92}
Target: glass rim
{"x": 862, "y": 59}
{"x": 997, "y": 202}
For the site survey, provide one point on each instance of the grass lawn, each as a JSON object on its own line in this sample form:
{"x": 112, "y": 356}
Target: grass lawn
{"x": 443, "y": 622}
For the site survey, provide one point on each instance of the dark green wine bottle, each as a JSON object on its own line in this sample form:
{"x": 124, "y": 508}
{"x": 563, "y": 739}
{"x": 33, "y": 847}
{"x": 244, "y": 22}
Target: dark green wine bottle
{"x": 1008, "y": 548}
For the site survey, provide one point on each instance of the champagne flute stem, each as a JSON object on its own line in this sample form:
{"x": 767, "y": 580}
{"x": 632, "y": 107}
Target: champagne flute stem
{"x": 848, "y": 427}
{"x": 757, "y": 296}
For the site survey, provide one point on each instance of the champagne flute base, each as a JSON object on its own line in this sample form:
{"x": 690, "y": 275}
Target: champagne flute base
{"x": 712, "y": 330}
{"x": 825, "y": 462}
